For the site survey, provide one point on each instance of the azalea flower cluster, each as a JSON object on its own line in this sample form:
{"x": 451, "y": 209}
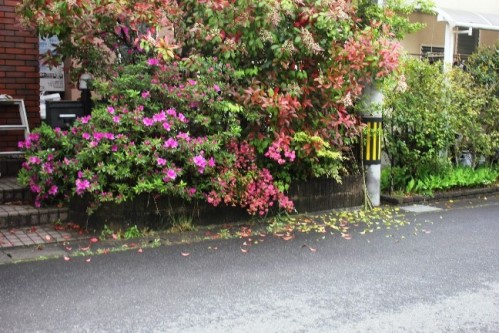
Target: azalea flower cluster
{"x": 247, "y": 185}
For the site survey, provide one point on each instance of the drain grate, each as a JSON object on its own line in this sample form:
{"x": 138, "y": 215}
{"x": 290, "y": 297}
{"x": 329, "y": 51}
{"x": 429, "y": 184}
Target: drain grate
{"x": 420, "y": 208}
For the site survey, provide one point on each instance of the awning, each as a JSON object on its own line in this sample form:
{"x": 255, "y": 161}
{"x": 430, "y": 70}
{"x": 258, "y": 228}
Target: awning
{"x": 468, "y": 19}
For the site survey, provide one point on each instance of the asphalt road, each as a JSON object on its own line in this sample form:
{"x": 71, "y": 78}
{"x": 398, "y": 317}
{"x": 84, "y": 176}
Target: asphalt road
{"x": 444, "y": 279}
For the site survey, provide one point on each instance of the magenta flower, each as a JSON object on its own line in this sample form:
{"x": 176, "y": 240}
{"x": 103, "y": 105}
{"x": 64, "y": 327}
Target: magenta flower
{"x": 171, "y": 112}
{"x": 200, "y": 162}
{"x": 153, "y": 62}
{"x": 159, "y": 117}
{"x": 146, "y": 94}
{"x": 161, "y": 161}
{"x": 171, "y": 143}
{"x": 114, "y": 148}
{"x": 217, "y": 88}
{"x": 116, "y": 119}
{"x": 171, "y": 174}
{"x": 182, "y": 118}
{"x": 82, "y": 185}
{"x": 211, "y": 162}
{"x": 85, "y": 120}
{"x": 53, "y": 190}
{"x": 110, "y": 109}
{"x": 148, "y": 122}
{"x": 167, "y": 126}
{"x": 192, "y": 82}
{"x": 35, "y": 188}
{"x": 184, "y": 136}
{"x": 34, "y": 160}
{"x": 86, "y": 136}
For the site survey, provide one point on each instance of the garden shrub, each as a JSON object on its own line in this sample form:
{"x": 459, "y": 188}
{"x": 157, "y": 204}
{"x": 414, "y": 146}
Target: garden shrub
{"x": 417, "y": 122}
{"x": 237, "y": 100}
{"x": 431, "y": 118}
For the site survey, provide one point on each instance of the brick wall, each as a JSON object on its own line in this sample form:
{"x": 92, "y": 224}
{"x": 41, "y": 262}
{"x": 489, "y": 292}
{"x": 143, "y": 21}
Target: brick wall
{"x": 19, "y": 73}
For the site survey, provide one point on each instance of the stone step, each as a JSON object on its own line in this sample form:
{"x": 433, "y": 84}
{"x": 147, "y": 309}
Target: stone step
{"x": 19, "y": 216}
{"x": 12, "y": 192}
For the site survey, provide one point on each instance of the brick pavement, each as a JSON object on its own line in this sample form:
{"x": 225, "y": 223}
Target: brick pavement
{"x": 38, "y": 235}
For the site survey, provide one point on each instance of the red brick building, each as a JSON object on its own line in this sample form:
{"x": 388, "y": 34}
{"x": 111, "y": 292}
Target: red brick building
{"x": 19, "y": 74}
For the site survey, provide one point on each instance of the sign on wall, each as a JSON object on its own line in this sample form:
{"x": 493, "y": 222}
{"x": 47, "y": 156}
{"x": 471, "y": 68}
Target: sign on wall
{"x": 51, "y": 79}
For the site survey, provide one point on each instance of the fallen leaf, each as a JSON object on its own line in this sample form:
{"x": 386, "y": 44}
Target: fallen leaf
{"x": 66, "y": 258}
{"x": 140, "y": 250}
{"x": 88, "y": 260}
{"x": 245, "y": 232}
{"x": 48, "y": 237}
{"x": 66, "y": 236}
{"x": 185, "y": 254}
{"x": 346, "y": 236}
{"x": 85, "y": 248}
{"x": 288, "y": 237}
{"x": 32, "y": 229}
{"x": 261, "y": 234}
{"x": 106, "y": 251}
{"x": 68, "y": 248}
{"x": 245, "y": 244}
{"x": 94, "y": 240}
{"x": 39, "y": 247}
{"x": 132, "y": 245}
{"x": 244, "y": 250}
{"x": 58, "y": 227}
{"x": 115, "y": 237}
{"x": 309, "y": 247}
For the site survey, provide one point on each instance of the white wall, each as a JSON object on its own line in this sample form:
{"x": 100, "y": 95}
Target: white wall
{"x": 481, "y": 6}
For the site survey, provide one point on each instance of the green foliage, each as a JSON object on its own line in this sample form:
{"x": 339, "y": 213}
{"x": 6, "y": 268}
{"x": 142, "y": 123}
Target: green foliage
{"x": 417, "y": 121}
{"x": 132, "y": 232}
{"x": 474, "y": 116}
{"x": 456, "y": 177}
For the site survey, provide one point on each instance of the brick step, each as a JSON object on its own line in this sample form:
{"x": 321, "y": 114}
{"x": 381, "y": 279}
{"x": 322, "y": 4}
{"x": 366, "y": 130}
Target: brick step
{"x": 11, "y": 191}
{"x": 19, "y": 216}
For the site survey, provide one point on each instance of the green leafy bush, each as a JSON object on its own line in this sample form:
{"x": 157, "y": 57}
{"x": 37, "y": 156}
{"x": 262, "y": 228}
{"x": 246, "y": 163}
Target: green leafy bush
{"x": 417, "y": 122}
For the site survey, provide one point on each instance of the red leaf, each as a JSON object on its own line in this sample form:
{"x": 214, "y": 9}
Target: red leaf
{"x": 346, "y": 236}
{"x": 32, "y": 229}
{"x": 94, "y": 240}
{"x": 66, "y": 258}
{"x": 140, "y": 250}
{"x": 310, "y": 248}
{"x": 185, "y": 254}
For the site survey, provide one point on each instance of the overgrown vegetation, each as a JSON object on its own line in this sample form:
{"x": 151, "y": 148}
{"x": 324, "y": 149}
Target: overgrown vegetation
{"x": 229, "y": 104}
{"x": 434, "y": 122}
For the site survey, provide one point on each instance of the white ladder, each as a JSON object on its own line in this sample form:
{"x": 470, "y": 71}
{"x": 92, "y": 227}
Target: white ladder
{"x": 24, "y": 121}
